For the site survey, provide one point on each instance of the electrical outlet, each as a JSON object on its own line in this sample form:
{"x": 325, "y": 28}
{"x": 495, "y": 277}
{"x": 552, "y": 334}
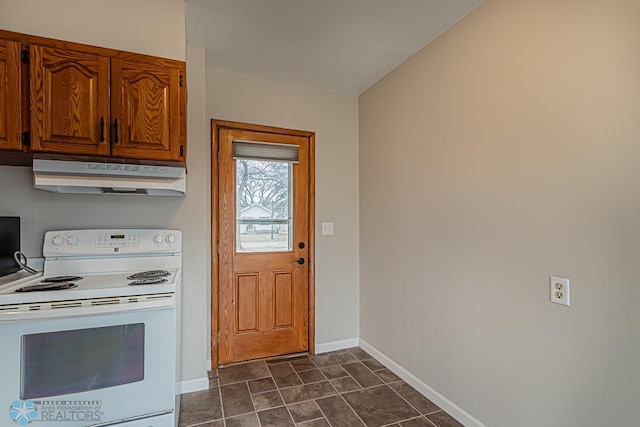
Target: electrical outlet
{"x": 559, "y": 290}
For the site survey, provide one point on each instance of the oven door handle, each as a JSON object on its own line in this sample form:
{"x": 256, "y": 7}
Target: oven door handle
{"x": 59, "y": 309}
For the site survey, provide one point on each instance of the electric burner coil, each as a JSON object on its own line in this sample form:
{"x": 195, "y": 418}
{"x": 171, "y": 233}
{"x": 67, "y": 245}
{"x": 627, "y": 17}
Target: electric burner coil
{"x": 151, "y": 274}
{"x": 61, "y": 279}
{"x": 55, "y": 286}
{"x": 150, "y": 281}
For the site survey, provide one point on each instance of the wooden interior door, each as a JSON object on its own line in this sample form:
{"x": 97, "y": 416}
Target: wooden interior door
{"x": 263, "y": 252}
{"x": 69, "y": 102}
{"x": 11, "y": 107}
{"x": 147, "y": 102}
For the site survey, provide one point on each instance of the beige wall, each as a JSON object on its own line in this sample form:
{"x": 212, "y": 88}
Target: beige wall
{"x": 334, "y": 119}
{"x": 153, "y": 27}
{"x": 194, "y": 218}
{"x": 505, "y": 152}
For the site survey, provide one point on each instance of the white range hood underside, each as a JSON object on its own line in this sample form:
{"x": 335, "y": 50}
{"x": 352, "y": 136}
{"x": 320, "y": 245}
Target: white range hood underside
{"x": 108, "y": 178}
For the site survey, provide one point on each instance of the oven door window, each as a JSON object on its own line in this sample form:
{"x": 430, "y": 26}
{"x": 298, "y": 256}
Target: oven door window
{"x": 66, "y": 362}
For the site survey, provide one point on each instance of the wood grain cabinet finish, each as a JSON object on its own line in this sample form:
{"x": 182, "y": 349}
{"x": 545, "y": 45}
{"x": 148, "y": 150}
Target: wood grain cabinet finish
{"x": 11, "y": 105}
{"x": 147, "y": 105}
{"x": 70, "y": 110}
{"x": 66, "y": 98}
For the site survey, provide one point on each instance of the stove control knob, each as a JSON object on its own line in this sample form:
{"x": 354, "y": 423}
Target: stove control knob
{"x": 158, "y": 238}
{"x": 170, "y": 238}
{"x": 57, "y": 240}
{"x": 72, "y": 240}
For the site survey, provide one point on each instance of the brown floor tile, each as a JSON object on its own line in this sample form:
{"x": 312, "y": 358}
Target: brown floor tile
{"x": 334, "y": 372}
{"x": 284, "y": 375}
{"x": 216, "y": 423}
{"x": 307, "y": 392}
{"x": 303, "y": 364}
{"x": 267, "y": 400}
{"x": 262, "y": 385}
{"x": 359, "y": 353}
{"x": 246, "y": 420}
{"x": 250, "y": 395}
{"x": 305, "y": 411}
{"x": 373, "y": 364}
{"x": 327, "y": 353}
{"x": 244, "y": 372}
{"x": 278, "y": 417}
{"x": 338, "y": 412}
{"x": 416, "y": 422}
{"x": 200, "y": 406}
{"x": 411, "y": 395}
{"x": 379, "y": 406}
{"x": 362, "y": 374}
{"x": 316, "y": 423}
{"x": 286, "y": 359}
{"x": 442, "y": 419}
{"x": 333, "y": 359}
{"x": 387, "y": 376}
{"x": 345, "y": 384}
{"x": 312, "y": 376}
{"x": 236, "y": 399}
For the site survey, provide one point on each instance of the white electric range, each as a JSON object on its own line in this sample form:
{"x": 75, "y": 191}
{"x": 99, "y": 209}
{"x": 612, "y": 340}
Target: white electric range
{"x": 92, "y": 341}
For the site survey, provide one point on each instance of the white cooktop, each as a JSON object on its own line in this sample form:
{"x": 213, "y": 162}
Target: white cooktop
{"x": 102, "y": 285}
{"x": 104, "y": 259}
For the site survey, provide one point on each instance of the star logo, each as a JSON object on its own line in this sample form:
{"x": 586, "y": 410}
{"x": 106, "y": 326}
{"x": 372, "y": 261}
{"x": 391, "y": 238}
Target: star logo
{"x": 22, "y": 412}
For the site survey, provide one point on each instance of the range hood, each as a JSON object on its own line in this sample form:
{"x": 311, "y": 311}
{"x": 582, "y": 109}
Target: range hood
{"x": 86, "y": 177}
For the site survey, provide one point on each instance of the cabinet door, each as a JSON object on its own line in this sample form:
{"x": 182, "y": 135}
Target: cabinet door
{"x": 147, "y": 105}
{"x": 69, "y": 102}
{"x": 11, "y": 105}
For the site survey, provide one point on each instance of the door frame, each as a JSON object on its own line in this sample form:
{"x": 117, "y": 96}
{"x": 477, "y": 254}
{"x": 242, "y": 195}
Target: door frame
{"x": 216, "y": 125}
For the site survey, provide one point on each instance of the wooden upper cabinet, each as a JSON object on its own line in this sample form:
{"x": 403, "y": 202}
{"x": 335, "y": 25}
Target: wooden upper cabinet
{"x": 68, "y": 98}
{"x": 148, "y": 108}
{"x": 11, "y": 103}
{"x": 70, "y": 111}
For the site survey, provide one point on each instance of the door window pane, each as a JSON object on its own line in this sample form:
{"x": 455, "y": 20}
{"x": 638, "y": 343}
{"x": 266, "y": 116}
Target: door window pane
{"x": 66, "y": 362}
{"x": 264, "y": 215}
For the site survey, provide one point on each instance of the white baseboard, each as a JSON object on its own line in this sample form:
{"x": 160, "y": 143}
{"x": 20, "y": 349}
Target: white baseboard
{"x": 447, "y": 405}
{"x": 192, "y": 385}
{"x": 336, "y": 345}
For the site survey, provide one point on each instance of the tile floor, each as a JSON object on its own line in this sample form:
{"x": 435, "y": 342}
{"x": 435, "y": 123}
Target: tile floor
{"x": 345, "y": 388}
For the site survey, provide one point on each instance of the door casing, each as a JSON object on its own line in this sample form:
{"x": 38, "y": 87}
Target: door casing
{"x": 216, "y": 125}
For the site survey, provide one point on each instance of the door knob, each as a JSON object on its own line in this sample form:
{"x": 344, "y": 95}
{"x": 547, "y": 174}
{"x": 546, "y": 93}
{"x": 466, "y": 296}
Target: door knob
{"x": 300, "y": 261}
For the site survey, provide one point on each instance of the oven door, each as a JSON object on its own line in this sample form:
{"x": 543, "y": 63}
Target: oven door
{"x": 88, "y": 366}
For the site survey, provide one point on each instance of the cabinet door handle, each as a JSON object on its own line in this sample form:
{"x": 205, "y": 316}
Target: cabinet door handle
{"x": 101, "y": 129}
{"x": 115, "y": 131}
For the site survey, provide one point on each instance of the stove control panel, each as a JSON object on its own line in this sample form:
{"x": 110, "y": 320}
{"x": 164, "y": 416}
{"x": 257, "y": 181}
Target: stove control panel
{"x": 111, "y": 242}
{"x": 125, "y": 240}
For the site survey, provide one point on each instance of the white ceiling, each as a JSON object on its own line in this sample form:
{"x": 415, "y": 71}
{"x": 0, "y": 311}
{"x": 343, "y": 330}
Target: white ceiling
{"x": 339, "y": 45}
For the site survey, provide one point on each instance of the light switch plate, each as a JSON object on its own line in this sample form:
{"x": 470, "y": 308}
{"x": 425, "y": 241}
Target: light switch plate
{"x": 327, "y": 228}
